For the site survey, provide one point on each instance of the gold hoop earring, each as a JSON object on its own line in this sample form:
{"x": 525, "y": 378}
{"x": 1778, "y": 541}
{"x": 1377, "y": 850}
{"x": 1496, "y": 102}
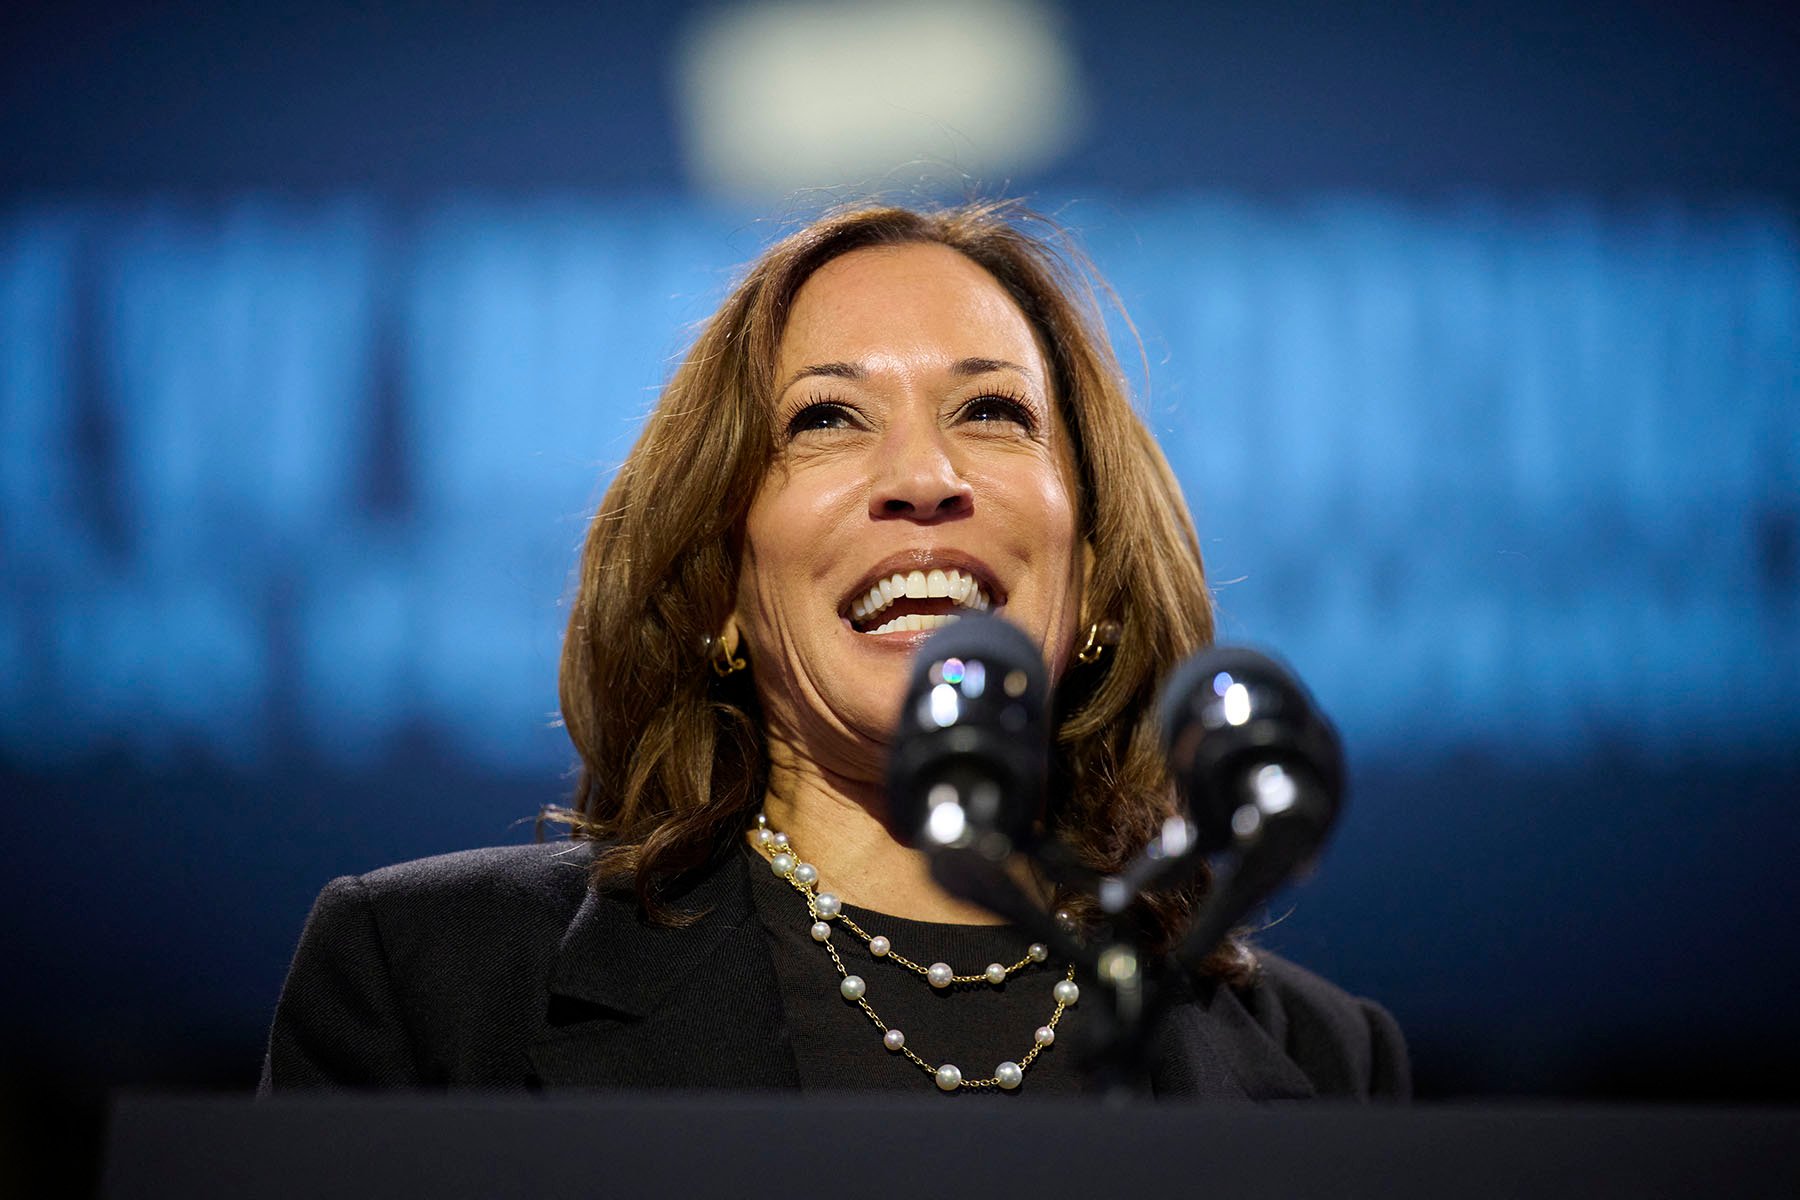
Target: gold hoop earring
{"x": 1100, "y": 635}
{"x": 724, "y": 662}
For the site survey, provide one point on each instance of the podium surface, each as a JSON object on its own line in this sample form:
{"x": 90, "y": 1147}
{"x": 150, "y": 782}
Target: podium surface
{"x": 452, "y": 1146}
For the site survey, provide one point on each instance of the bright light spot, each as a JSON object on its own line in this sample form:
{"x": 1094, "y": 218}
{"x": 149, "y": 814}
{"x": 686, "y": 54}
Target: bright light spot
{"x": 953, "y": 670}
{"x": 782, "y": 96}
{"x": 1275, "y": 790}
{"x": 1246, "y": 821}
{"x": 974, "y": 679}
{"x": 1221, "y": 681}
{"x": 1119, "y": 964}
{"x": 1237, "y": 704}
{"x": 945, "y": 706}
{"x": 946, "y": 823}
{"x": 1014, "y": 684}
{"x": 1175, "y": 836}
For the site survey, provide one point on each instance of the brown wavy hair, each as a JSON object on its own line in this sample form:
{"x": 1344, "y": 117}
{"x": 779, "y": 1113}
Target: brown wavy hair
{"x": 673, "y": 761}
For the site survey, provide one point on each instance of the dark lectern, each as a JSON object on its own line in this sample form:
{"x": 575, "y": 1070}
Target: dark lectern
{"x": 449, "y": 1147}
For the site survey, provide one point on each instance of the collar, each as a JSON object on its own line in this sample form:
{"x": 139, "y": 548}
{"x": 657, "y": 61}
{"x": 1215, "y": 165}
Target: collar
{"x": 637, "y": 1005}
{"x": 613, "y": 957}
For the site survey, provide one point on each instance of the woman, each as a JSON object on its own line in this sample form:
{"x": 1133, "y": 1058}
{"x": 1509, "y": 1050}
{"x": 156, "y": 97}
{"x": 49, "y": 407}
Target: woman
{"x": 895, "y": 417}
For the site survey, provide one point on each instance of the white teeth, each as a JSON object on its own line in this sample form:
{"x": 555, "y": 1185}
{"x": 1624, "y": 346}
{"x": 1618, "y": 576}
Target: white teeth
{"x": 916, "y": 623}
{"x": 939, "y": 583}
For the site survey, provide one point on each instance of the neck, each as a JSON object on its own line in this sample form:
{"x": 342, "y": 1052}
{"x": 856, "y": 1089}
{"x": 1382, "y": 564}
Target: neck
{"x": 835, "y": 824}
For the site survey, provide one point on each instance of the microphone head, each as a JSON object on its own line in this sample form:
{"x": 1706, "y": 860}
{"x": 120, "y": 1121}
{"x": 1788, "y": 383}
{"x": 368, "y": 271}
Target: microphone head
{"x": 1239, "y": 729}
{"x": 969, "y": 759}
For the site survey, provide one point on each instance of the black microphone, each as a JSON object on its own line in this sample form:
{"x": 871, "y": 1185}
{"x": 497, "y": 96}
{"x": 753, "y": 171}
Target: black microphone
{"x": 970, "y": 757}
{"x": 1261, "y": 770}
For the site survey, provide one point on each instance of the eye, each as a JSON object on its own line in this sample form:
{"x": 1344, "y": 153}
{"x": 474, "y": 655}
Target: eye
{"x": 998, "y": 407}
{"x": 819, "y": 415}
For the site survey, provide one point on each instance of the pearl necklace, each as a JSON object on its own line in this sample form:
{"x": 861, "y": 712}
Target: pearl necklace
{"x": 825, "y": 908}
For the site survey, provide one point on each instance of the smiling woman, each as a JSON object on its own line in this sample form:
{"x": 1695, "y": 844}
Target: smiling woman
{"x": 894, "y": 418}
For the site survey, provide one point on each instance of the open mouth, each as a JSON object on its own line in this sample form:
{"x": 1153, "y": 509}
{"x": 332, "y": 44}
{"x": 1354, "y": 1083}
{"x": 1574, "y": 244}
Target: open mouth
{"x": 910, "y": 601}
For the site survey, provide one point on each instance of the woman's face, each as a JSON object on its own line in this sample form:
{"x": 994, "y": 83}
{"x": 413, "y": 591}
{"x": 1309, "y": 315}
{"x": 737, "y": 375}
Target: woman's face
{"x": 921, "y": 451}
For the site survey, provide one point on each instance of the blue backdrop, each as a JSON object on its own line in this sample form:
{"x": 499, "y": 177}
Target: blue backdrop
{"x": 306, "y": 477}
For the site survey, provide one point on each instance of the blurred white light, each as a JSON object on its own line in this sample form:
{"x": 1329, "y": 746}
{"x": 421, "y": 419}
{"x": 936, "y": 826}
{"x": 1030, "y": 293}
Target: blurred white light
{"x": 945, "y": 823}
{"x": 946, "y": 706}
{"x": 1237, "y": 704}
{"x": 781, "y": 96}
{"x": 1275, "y": 789}
{"x": 1176, "y": 833}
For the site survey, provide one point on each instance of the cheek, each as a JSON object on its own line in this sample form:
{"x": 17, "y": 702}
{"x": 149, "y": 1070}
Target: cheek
{"x": 759, "y": 563}
{"x": 1058, "y": 515}
{"x": 788, "y": 540}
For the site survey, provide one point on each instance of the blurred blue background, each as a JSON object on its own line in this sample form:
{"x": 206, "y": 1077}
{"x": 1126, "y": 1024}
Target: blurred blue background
{"x": 1474, "y": 339}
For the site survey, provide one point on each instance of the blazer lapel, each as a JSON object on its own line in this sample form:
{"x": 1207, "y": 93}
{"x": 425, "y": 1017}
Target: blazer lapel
{"x": 636, "y": 1005}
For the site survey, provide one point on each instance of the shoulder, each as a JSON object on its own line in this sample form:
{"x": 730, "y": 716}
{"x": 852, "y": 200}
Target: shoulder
{"x": 427, "y": 972}
{"x": 1346, "y": 1045}
{"x": 473, "y": 902}
{"x": 544, "y": 873}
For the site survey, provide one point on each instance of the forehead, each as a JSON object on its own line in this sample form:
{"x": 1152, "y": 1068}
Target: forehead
{"x": 915, "y": 304}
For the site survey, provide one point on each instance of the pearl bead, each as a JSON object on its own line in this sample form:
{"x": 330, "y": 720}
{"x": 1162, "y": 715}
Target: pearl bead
{"x": 893, "y": 1039}
{"x": 1037, "y": 952}
{"x": 762, "y": 820}
{"x": 1044, "y": 1035}
{"x": 939, "y": 975}
{"x": 1063, "y": 920}
{"x": 948, "y": 1078}
{"x": 781, "y": 839}
{"x": 828, "y": 905}
{"x": 820, "y": 931}
{"x": 853, "y": 987}
{"x": 781, "y": 864}
{"x": 1008, "y": 1075}
{"x": 806, "y": 873}
{"x": 765, "y": 837}
{"x": 879, "y": 946}
{"x": 1066, "y": 992}
{"x": 996, "y": 974}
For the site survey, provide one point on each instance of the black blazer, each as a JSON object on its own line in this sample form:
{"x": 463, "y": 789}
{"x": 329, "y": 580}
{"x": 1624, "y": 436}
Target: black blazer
{"x": 502, "y": 969}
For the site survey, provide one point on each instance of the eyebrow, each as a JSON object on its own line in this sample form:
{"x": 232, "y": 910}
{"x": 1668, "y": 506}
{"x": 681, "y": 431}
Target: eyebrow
{"x": 983, "y": 366}
{"x": 850, "y": 370}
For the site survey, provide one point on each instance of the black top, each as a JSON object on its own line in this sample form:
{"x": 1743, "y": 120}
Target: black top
{"x": 976, "y": 1026}
{"x": 503, "y": 969}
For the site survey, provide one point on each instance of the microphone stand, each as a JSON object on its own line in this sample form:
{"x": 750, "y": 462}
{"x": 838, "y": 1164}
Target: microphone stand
{"x": 1276, "y": 830}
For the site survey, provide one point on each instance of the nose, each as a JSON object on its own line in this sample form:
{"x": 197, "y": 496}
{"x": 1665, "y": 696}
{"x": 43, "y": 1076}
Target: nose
{"x": 917, "y": 478}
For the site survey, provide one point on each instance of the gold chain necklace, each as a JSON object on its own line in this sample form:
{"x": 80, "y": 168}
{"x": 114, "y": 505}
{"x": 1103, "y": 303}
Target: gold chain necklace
{"x": 784, "y": 860}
